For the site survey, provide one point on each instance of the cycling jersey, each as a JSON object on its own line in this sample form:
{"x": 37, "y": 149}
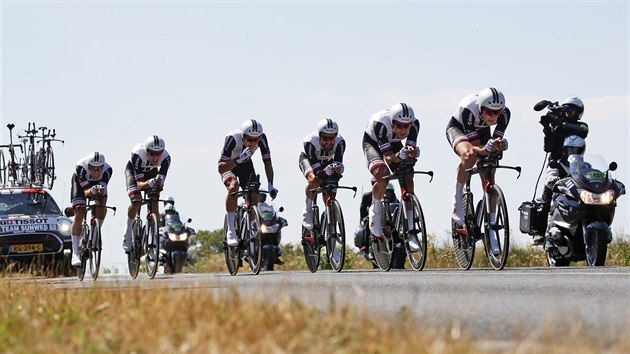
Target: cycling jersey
{"x": 142, "y": 167}
{"x": 233, "y": 146}
{"x": 380, "y": 133}
{"x": 81, "y": 180}
{"x": 315, "y": 157}
{"x": 467, "y": 122}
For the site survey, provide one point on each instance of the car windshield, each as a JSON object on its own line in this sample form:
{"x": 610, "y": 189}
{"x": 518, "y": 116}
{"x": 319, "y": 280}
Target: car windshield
{"x": 30, "y": 203}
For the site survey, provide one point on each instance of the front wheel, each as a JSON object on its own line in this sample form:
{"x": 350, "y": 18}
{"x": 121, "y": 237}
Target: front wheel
{"x": 496, "y": 236}
{"x": 152, "y": 246}
{"x": 95, "y": 246}
{"x": 255, "y": 240}
{"x": 133, "y": 257}
{"x": 596, "y": 247}
{"x": 231, "y": 253}
{"x": 416, "y": 237}
{"x": 464, "y": 243}
{"x": 83, "y": 251}
{"x": 334, "y": 232}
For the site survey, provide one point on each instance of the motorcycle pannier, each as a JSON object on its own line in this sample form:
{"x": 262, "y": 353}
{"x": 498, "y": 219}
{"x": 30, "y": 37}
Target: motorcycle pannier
{"x": 533, "y": 220}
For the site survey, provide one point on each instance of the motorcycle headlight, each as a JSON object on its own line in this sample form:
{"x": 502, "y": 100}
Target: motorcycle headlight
{"x": 64, "y": 227}
{"x": 264, "y": 229}
{"x": 597, "y": 199}
{"x": 176, "y": 237}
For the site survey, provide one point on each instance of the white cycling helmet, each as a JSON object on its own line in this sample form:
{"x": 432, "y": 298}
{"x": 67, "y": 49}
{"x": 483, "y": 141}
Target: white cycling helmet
{"x": 491, "y": 98}
{"x": 96, "y": 159}
{"x": 252, "y": 128}
{"x": 154, "y": 143}
{"x": 327, "y": 126}
{"x": 401, "y": 112}
{"x": 576, "y": 104}
{"x": 574, "y": 144}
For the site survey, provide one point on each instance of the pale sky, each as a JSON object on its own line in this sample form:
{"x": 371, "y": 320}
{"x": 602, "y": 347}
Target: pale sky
{"x": 106, "y": 74}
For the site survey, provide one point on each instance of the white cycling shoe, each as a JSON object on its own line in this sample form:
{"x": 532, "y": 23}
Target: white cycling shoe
{"x": 307, "y": 218}
{"x": 413, "y": 244}
{"x": 335, "y": 255}
{"x": 494, "y": 244}
{"x": 76, "y": 260}
{"x": 375, "y": 223}
{"x": 231, "y": 238}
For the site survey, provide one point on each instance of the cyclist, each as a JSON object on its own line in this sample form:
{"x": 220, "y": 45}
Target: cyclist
{"x": 468, "y": 133}
{"x": 89, "y": 180}
{"x": 146, "y": 170}
{"x": 235, "y": 163}
{"x": 321, "y": 158}
{"x": 556, "y": 131}
{"x": 382, "y": 146}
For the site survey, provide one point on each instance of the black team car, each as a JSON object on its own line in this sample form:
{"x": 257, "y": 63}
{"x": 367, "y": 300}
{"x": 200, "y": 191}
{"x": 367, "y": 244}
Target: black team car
{"x": 34, "y": 232}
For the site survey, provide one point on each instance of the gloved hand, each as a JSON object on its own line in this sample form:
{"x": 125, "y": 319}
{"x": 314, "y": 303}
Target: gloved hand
{"x": 153, "y": 182}
{"x": 489, "y": 145}
{"x": 245, "y": 155}
{"x": 341, "y": 168}
{"x": 505, "y": 144}
{"x": 273, "y": 192}
{"x": 550, "y": 180}
{"x": 403, "y": 154}
{"x": 94, "y": 190}
{"x": 329, "y": 169}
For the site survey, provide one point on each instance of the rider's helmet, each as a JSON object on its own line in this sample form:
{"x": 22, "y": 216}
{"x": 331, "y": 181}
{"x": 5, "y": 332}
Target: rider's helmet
{"x": 491, "y": 98}
{"x": 154, "y": 143}
{"x": 327, "y": 126}
{"x": 169, "y": 201}
{"x": 96, "y": 159}
{"x": 401, "y": 112}
{"x": 573, "y": 144}
{"x": 169, "y": 208}
{"x": 251, "y": 128}
{"x": 576, "y": 107}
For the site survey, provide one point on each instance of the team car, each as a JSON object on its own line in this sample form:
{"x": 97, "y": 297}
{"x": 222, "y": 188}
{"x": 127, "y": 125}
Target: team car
{"x": 33, "y": 228}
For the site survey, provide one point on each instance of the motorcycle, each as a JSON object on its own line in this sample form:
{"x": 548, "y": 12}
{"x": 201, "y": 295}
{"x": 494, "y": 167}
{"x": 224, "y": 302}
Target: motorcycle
{"x": 399, "y": 255}
{"x": 582, "y": 211}
{"x": 174, "y": 243}
{"x": 271, "y": 228}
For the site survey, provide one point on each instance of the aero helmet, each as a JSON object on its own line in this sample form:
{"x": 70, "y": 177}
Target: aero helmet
{"x": 491, "y": 98}
{"x": 96, "y": 159}
{"x": 252, "y": 128}
{"x": 154, "y": 143}
{"x": 327, "y": 126}
{"x": 402, "y": 113}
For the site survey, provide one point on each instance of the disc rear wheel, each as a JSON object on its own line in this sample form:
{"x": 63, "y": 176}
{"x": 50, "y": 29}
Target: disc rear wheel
{"x": 231, "y": 253}
{"x": 133, "y": 257}
{"x": 84, "y": 252}
{"x": 464, "y": 242}
{"x": 255, "y": 240}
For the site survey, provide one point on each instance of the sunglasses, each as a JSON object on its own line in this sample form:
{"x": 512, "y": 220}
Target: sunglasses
{"x": 492, "y": 112}
{"x": 399, "y": 125}
{"x": 154, "y": 153}
{"x": 95, "y": 168}
{"x": 327, "y": 137}
{"x": 252, "y": 139}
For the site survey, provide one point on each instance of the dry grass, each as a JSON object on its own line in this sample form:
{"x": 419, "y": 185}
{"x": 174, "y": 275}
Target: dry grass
{"x": 36, "y": 318}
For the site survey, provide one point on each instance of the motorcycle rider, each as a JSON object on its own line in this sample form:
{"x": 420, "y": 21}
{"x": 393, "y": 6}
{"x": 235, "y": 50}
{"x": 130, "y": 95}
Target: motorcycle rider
{"x": 383, "y": 150}
{"x": 469, "y": 135}
{"x": 264, "y": 206}
{"x": 169, "y": 209}
{"x": 557, "y": 126}
{"x": 146, "y": 170}
{"x": 235, "y": 162}
{"x": 572, "y": 152}
{"x": 89, "y": 180}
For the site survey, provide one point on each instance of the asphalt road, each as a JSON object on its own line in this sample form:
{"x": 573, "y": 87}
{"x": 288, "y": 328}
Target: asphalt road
{"x": 484, "y": 302}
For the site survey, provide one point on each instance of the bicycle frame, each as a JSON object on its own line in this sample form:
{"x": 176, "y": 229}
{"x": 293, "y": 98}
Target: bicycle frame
{"x": 328, "y": 189}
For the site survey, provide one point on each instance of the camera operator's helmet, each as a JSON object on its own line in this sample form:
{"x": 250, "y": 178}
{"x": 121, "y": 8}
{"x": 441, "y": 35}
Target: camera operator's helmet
{"x": 327, "y": 126}
{"x": 492, "y": 99}
{"x": 169, "y": 208}
{"x": 96, "y": 159}
{"x": 576, "y": 105}
{"x": 252, "y": 128}
{"x": 574, "y": 144}
{"x": 154, "y": 143}
{"x": 390, "y": 187}
{"x": 401, "y": 112}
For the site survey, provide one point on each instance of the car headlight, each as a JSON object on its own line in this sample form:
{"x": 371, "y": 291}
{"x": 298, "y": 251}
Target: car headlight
{"x": 64, "y": 227}
{"x": 597, "y": 199}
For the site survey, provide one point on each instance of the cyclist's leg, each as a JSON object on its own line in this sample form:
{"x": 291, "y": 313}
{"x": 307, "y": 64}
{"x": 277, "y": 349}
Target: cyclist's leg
{"x": 231, "y": 183}
{"x": 133, "y": 191}
{"x": 378, "y": 168}
{"x": 77, "y": 198}
{"x": 464, "y": 149}
{"x": 100, "y": 213}
{"x": 311, "y": 183}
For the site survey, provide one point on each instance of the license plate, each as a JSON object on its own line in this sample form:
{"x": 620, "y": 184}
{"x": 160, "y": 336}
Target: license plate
{"x": 36, "y": 247}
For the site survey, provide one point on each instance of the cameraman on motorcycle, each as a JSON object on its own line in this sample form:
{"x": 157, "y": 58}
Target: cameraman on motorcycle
{"x": 559, "y": 123}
